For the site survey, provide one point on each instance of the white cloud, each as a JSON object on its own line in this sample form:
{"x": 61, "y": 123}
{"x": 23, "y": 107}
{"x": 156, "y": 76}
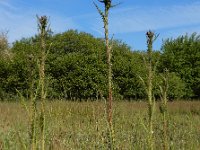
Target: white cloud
{"x": 172, "y": 20}
{"x": 20, "y": 24}
{"x": 6, "y": 5}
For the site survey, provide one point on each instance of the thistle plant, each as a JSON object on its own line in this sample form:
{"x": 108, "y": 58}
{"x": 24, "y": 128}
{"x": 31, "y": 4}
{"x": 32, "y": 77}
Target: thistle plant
{"x": 148, "y": 84}
{"x": 32, "y": 96}
{"x": 151, "y": 102}
{"x": 42, "y": 25}
{"x": 163, "y": 106}
{"x": 105, "y": 14}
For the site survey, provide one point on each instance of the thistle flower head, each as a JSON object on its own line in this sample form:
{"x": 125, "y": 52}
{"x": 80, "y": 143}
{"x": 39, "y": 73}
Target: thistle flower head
{"x": 107, "y": 3}
{"x": 150, "y": 37}
{"x": 43, "y": 21}
{"x": 150, "y": 34}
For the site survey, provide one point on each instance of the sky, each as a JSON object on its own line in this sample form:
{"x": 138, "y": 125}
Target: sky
{"x": 128, "y": 21}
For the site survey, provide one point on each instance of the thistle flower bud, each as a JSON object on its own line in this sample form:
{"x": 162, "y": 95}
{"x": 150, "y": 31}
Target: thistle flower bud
{"x": 106, "y": 2}
{"x": 43, "y": 21}
{"x": 150, "y": 34}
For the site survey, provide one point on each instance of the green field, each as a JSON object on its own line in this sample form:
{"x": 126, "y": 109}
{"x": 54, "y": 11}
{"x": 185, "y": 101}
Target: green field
{"x": 82, "y": 125}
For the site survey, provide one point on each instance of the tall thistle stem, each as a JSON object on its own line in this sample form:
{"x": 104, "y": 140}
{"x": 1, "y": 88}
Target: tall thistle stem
{"x": 163, "y": 107}
{"x": 32, "y": 132}
{"x": 151, "y": 102}
{"x": 108, "y": 45}
{"x": 104, "y": 15}
{"x": 42, "y": 24}
{"x": 109, "y": 56}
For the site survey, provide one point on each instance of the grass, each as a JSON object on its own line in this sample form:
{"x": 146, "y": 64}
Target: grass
{"x": 82, "y": 125}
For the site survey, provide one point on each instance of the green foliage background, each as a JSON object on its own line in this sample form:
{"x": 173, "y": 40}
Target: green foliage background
{"x": 76, "y": 68}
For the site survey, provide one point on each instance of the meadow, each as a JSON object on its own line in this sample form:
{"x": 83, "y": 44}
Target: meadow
{"x": 54, "y": 70}
{"x": 83, "y": 125}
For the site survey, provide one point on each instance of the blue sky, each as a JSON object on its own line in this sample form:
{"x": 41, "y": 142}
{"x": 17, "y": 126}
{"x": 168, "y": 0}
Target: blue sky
{"x": 128, "y": 21}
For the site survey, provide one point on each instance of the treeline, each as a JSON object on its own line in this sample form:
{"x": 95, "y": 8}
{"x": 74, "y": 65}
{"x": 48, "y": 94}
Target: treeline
{"x": 76, "y": 67}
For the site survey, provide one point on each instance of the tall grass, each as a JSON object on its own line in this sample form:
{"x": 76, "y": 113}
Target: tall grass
{"x": 75, "y": 125}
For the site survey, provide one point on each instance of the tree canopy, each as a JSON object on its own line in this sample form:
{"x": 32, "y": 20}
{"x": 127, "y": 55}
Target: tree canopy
{"x": 76, "y": 67}
{"x": 182, "y": 57}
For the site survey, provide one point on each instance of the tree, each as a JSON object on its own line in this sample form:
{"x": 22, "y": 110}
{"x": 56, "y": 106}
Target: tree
{"x": 77, "y": 67}
{"x": 182, "y": 56}
{"x": 126, "y": 67}
{"x": 76, "y": 64}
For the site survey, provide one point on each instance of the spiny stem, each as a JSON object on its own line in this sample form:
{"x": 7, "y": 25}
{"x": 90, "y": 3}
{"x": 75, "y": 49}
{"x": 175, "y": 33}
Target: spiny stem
{"x": 151, "y": 102}
{"x": 42, "y": 24}
{"x": 32, "y": 97}
{"x": 163, "y": 107}
{"x": 104, "y": 15}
